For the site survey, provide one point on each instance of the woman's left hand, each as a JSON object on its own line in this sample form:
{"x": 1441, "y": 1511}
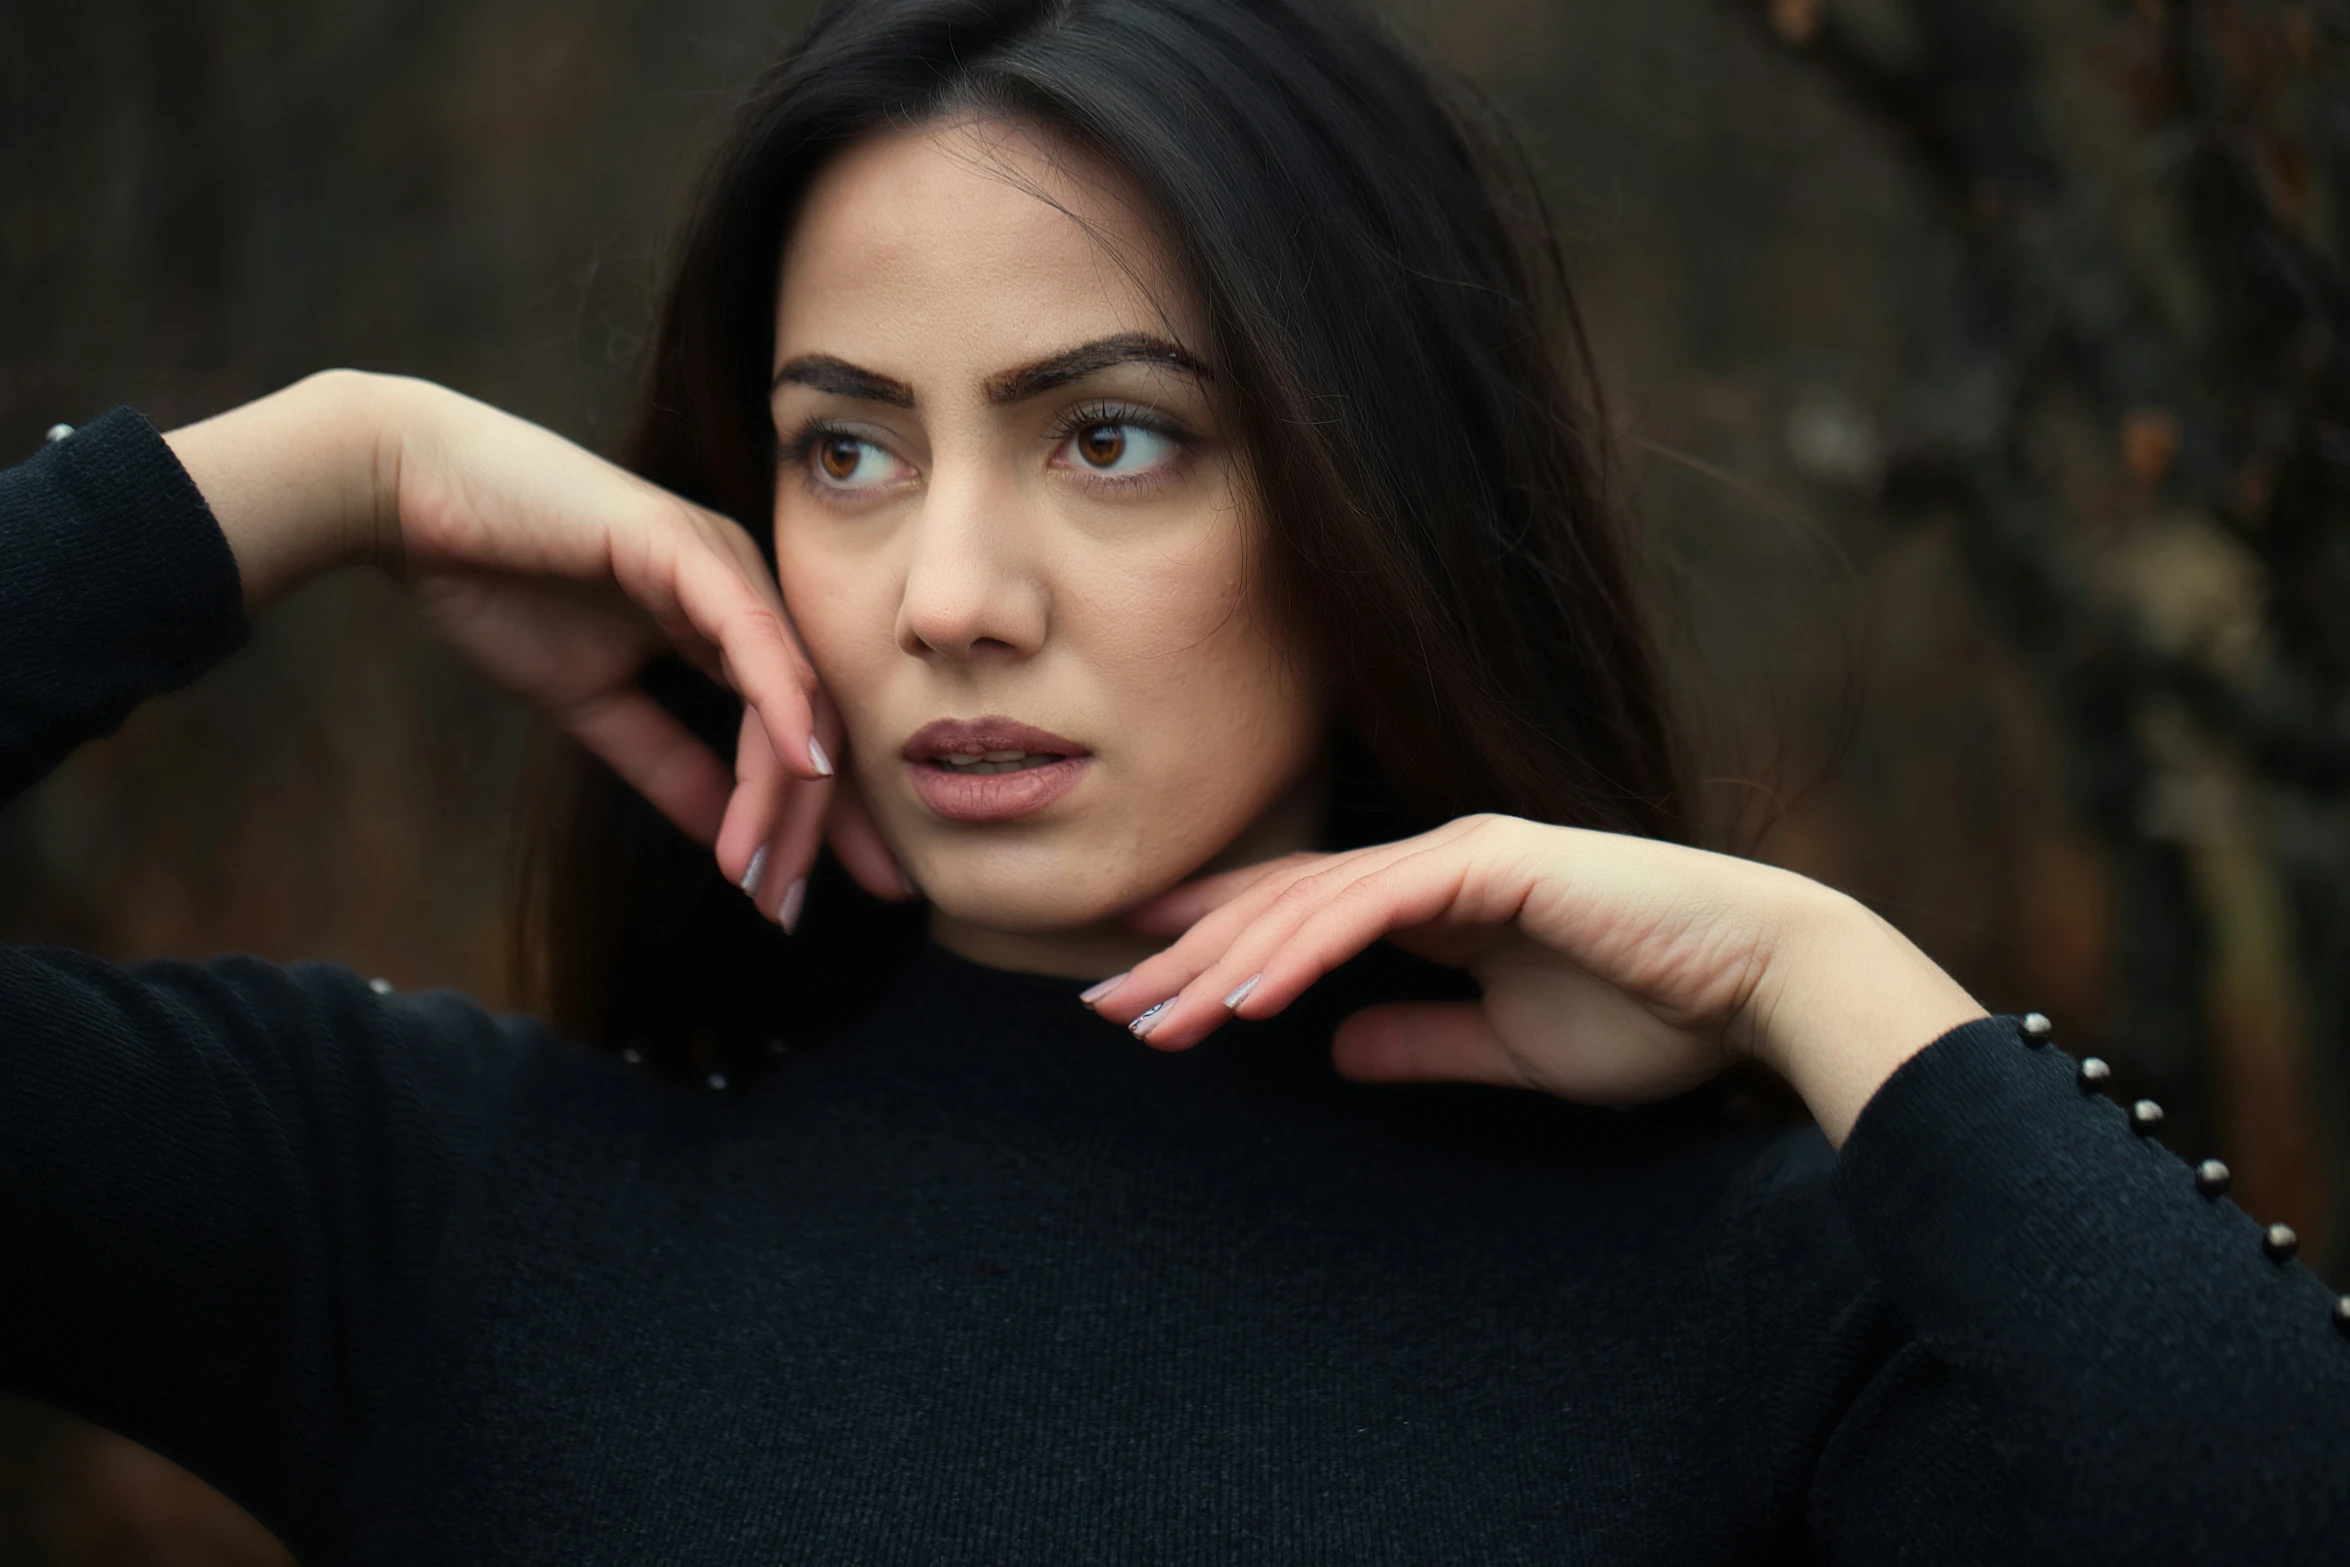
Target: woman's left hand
{"x": 1614, "y": 969}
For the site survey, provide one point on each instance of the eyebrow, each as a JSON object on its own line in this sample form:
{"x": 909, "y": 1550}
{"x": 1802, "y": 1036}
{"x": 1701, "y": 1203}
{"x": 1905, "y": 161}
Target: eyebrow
{"x": 842, "y": 379}
{"x": 1075, "y": 364}
{"x": 825, "y": 373}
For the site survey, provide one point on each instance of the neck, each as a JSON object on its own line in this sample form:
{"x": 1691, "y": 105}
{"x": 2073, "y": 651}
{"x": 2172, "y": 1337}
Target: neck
{"x": 1294, "y": 822}
{"x": 1084, "y": 952}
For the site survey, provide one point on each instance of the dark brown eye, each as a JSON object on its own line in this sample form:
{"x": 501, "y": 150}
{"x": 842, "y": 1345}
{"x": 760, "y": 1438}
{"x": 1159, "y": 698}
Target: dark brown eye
{"x": 840, "y": 456}
{"x": 1102, "y": 444}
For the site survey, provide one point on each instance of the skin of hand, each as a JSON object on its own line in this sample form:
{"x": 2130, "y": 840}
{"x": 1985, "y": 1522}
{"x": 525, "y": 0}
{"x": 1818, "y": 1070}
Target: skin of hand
{"x": 1614, "y": 969}
{"x": 558, "y": 575}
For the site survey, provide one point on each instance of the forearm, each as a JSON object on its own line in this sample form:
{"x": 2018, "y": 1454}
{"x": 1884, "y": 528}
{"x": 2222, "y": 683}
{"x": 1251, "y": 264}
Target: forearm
{"x": 296, "y": 479}
{"x": 1853, "y": 999}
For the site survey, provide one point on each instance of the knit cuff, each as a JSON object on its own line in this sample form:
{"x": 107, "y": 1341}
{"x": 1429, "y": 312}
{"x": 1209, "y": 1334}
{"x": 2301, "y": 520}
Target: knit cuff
{"x": 115, "y": 584}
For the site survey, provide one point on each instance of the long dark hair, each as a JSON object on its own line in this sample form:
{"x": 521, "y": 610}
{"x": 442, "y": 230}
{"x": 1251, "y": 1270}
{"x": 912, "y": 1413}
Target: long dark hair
{"x": 1396, "y": 345}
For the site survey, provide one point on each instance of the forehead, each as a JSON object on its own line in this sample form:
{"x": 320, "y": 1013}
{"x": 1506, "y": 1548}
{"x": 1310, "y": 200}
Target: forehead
{"x": 975, "y": 240}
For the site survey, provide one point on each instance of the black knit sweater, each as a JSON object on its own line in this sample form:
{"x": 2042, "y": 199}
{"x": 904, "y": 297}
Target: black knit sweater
{"x": 976, "y": 1277}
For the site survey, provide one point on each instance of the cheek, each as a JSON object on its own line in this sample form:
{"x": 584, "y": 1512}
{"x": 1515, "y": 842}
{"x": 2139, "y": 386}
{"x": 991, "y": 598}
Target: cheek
{"x": 1216, "y": 695}
{"x": 1182, "y": 612}
{"x": 842, "y": 613}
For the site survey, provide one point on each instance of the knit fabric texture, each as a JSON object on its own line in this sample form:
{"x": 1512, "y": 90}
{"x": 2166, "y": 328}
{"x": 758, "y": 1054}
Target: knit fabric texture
{"x": 973, "y": 1276}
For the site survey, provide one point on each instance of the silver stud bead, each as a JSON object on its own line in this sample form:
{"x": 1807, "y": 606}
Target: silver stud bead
{"x": 717, "y": 1080}
{"x": 2036, "y": 1028}
{"x": 2342, "y": 1316}
{"x": 2145, "y": 1116}
{"x": 56, "y": 433}
{"x": 2279, "y": 1241}
{"x": 380, "y": 985}
{"x": 2094, "y": 1074}
{"x": 2211, "y": 1177}
{"x": 633, "y": 1056}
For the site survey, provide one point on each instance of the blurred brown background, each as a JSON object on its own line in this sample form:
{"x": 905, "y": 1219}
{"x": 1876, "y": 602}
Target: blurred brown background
{"x": 1979, "y": 368}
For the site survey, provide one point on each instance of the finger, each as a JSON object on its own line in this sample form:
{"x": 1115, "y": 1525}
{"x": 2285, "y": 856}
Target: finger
{"x": 791, "y": 852}
{"x": 1249, "y": 925}
{"x": 1322, "y": 921}
{"x": 655, "y": 755}
{"x": 761, "y": 660}
{"x": 1423, "y": 1041}
{"x": 1285, "y": 955}
{"x": 708, "y": 603}
{"x": 760, "y": 788}
{"x": 1160, "y": 976}
{"x": 859, "y": 845}
{"x": 1175, "y": 911}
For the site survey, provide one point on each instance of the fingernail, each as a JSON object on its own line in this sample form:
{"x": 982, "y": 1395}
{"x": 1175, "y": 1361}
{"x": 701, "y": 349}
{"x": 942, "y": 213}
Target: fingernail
{"x": 788, "y": 913}
{"x": 1141, "y": 1027}
{"x": 1093, "y": 993}
{"x": 816, "y": 756}
{"x": 758, "y": 868}
{"x": 1241, "y": 990}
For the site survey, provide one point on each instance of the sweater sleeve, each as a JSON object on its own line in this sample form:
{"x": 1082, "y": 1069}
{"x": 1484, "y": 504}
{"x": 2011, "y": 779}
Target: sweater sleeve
{"x": 222, "y": 1185}
{"x": 115, "y": 584}
{"x": 2098, "y": 1362}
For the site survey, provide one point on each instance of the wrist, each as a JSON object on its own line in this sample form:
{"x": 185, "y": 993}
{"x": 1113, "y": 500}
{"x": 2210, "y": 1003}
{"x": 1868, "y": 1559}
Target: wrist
{"x": 1847, "y": 1001}
{"x": 293, "y": 479}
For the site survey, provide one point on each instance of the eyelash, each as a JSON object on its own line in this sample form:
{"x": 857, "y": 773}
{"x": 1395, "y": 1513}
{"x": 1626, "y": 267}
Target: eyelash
{"x": 1085, "y": 416}
{"x": 802, "y": 446}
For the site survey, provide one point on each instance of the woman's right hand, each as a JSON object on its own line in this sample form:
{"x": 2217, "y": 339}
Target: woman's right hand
{"x": 558, "y": 575}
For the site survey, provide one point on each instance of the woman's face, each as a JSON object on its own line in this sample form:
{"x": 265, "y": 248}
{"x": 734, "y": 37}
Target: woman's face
{"x": 1018, "y": 540}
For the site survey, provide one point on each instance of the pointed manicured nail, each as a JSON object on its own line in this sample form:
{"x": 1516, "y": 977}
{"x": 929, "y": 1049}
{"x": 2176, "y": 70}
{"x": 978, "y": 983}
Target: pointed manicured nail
{"x": 816, "y": 756}
{"x": 1093, "y": 993}
{"x": 1141, "y": 1027}
{"x": 787, "y": 914}
{"x": 1241, "y": 990}
{"x": 758, "y": 868}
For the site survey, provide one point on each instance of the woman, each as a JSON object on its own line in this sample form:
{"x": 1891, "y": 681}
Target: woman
{"x": 1170, "y": 559}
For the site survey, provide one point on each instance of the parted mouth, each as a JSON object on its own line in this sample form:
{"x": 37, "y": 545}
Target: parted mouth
{"x": 992, "y": 744}
{"x": 992, "y": 769}
{"x": 995, "y": 762}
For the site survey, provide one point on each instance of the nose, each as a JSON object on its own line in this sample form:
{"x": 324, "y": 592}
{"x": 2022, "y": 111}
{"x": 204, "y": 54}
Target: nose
{"x": 973, "y": 589}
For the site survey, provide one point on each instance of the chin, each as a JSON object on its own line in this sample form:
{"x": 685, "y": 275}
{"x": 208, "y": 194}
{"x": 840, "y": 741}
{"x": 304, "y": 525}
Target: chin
{"x": 1020, "y": 891}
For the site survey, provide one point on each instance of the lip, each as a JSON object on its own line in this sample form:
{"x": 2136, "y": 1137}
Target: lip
{"x": 991, "y": 797}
